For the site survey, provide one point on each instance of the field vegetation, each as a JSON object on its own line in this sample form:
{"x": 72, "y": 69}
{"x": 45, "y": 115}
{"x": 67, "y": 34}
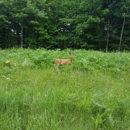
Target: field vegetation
{"x": 93, "y": 93}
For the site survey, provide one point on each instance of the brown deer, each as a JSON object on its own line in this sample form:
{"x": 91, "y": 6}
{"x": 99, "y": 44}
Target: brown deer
{"x": 63, "y": 61}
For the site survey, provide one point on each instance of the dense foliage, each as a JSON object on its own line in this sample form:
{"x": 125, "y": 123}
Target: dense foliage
{"x": 88, "y": 24}
{"x": 83, "y": 60}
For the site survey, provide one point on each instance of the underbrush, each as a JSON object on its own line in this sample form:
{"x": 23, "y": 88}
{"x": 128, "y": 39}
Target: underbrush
{"x": 83, "y": 60}
{"x": 92, "y": 93}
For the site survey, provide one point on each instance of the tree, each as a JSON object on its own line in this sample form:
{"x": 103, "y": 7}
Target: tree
{"x": 125, "y": 14}
{"x": 91, "y": 24}
{"x": 4, "y": 23}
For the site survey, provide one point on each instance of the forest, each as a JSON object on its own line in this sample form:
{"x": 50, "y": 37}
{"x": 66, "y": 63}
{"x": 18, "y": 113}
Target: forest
{"x": 75, "y": 24}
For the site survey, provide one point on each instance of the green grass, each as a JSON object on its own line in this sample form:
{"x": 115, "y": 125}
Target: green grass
{"x": 93, "y": 93}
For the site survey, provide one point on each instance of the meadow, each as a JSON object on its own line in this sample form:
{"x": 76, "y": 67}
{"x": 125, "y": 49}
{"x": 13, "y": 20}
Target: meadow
{"x": 93, "y": 93}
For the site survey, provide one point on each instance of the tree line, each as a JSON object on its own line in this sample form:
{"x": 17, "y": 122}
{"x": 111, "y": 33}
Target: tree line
{"x": 88, "y": 24}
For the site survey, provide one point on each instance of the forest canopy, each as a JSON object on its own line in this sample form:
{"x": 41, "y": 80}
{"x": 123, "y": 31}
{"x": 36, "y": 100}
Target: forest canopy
{"x": 78, "y": 24}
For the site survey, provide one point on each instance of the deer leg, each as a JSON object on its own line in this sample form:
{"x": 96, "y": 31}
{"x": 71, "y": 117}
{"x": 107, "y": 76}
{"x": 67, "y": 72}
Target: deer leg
{"x": 56, "y": 67}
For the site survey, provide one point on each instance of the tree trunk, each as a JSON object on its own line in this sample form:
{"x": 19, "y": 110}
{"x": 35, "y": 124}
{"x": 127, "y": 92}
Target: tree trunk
{"x": 21, "y": 34}
{"x": 121, "y": 34}
{"x": 4, "y": 42}
{"x": 18, "y": 39}
{"x": 107, "y": 37}
{"x": 107, "y": 40}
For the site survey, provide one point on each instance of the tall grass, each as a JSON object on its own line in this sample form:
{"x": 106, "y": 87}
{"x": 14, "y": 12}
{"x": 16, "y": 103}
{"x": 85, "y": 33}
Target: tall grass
{"x": 92, "y": 93}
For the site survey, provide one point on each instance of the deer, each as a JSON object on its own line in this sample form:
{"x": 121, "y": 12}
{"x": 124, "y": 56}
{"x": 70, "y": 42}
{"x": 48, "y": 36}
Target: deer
{"x": 59, "y": 62}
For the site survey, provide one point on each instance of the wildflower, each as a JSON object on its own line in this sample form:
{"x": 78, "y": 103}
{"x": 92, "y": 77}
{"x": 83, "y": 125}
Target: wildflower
{"x": 7, "y": 62}
{"x": 7, "y": 78}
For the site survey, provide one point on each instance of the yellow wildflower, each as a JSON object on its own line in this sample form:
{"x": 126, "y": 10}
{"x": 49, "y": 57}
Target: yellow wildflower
{"x": 7, "y": 62}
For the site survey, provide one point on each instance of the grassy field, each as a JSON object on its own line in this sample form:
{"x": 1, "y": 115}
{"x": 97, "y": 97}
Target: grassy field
{"x": 93, "y": 93}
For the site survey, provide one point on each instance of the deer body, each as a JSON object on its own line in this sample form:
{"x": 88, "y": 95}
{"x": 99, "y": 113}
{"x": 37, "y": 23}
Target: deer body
{"x": 63, "y": 61}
